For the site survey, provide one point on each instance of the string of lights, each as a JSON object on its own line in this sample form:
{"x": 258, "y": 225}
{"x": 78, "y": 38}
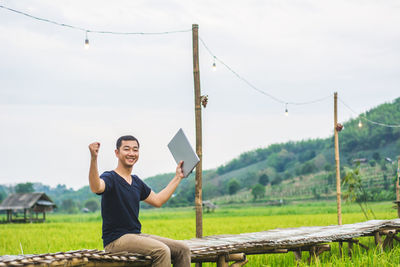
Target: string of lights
{"x": 89, "y": 30}
{"x": 214, "y": 66}
{"x": 366, "y": 119}
{"x": 286, "y": 103}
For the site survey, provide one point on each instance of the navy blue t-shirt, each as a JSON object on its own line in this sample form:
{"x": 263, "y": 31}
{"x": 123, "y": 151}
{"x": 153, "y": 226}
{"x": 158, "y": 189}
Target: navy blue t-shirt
{"x": 120, "y": 205}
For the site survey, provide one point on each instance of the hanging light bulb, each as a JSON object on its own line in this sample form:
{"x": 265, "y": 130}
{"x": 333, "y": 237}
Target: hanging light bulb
{"x": 214, "y": 66}
{"x": 359, "y": 124}
{"x": 86, "y": 42}
{"x": 286, "y": 110}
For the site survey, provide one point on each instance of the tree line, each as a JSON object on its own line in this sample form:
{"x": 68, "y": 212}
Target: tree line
{"x": 272, "y": 165}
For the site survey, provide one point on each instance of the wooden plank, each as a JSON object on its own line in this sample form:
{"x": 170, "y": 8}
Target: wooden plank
{"x": 285, "y": 238}
{"x": 314, "y": 239}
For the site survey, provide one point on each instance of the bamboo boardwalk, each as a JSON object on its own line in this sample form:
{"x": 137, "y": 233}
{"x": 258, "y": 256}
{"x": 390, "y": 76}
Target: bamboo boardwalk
{"x": 225, "y": 248}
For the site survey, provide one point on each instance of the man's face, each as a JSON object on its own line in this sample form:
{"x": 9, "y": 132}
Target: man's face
{"x": 128, "y": 153}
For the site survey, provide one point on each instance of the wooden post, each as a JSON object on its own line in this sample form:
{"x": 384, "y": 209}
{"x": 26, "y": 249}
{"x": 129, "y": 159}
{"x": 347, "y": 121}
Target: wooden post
{"x": 378, "y": 241}
{"x": 390, "y": 233}
{"x": 398, "y": 188}
{"x": 297, "y": 254}
{"x": 221, "y": 262}
{"x": 350, "y": 249}
{"x": 197, "y": 105}
{"x": 397, "y": 183}
{"x": 337, "y": 160}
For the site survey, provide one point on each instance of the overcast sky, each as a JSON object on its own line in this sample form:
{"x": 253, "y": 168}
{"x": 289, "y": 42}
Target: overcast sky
{"x": 57, "y": 97}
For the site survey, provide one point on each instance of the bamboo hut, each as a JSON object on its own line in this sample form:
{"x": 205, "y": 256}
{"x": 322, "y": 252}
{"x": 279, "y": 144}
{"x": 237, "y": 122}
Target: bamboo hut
{"x": 25, "y": 207}
{"x": 209, "y": 206}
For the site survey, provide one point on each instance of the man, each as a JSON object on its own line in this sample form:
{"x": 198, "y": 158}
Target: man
{"x": 121, "y": 193}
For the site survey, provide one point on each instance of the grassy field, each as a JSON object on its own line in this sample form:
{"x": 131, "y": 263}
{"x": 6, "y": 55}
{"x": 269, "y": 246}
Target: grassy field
{"x": 72, "y": 232}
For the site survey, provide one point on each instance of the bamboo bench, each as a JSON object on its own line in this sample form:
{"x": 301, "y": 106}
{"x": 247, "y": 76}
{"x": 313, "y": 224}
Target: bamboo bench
{"x": 223, "y": 249}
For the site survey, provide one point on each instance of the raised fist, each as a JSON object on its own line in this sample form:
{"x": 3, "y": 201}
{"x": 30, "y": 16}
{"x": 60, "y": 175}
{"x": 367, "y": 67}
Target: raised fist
{"x": 94, "y": 149}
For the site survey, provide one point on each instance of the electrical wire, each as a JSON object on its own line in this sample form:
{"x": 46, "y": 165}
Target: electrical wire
{"x": 368, "y": 120}
{"x": 208, "y": 50}
{"x": 88, "y": 30}
{"x": 167, "y": 32}
{"x": 257, "y": 89}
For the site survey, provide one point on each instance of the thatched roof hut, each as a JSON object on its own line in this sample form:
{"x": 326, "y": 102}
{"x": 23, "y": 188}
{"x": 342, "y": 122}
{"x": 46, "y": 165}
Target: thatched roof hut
{"x": 209, "y": 206}
{"x": 28, "y": 203}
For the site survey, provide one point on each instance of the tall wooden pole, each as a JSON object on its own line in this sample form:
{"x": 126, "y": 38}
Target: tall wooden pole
{"x": 337, "y": 160}
{"x": 398, "y": 187}
{"x": 397, "y": 183}
{"x": 197, "y": 105}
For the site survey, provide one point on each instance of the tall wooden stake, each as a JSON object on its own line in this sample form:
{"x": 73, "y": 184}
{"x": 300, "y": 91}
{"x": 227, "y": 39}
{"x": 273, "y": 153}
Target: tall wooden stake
{"x": 398, "y": 188}
{"x": 197, "y": 105}
{"x": 337, "y": 160}
{"x": 397, "y": 183}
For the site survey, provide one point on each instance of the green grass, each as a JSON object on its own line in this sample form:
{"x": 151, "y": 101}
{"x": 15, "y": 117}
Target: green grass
{"x": 71, "y": 232}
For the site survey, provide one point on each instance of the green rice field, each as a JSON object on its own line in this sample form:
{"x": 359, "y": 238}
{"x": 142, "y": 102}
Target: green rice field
{"x": 83, "y": 231}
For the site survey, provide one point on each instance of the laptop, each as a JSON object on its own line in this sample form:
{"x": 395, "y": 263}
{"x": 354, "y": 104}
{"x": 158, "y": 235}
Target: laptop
{"x": 182, "y": 150}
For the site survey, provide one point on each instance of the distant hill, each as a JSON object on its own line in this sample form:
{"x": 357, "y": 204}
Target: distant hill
{"x": 288, "y": 171}
{"x": 285, "y": 163}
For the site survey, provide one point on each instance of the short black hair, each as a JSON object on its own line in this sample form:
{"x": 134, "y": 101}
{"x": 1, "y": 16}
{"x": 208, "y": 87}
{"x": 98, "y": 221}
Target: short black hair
{"x": 126, "y": 138}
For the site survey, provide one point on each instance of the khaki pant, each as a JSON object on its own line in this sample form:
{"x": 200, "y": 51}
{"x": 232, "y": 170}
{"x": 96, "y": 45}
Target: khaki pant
{"x": 161, "y": 249}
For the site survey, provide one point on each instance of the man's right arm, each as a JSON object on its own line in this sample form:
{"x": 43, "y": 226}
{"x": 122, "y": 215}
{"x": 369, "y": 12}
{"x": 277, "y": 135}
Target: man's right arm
{"x": 97, "y": 185}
